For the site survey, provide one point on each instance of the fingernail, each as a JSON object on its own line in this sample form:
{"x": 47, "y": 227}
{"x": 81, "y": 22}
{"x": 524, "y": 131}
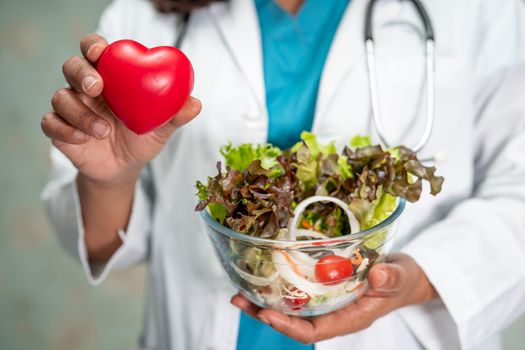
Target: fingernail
{"x": 80, "y": 136}
{"x": 263, "y": 319}
{"x": 91, "y": 49}
{"x": 100, "y": 129}
{"x": 382, "y": 276}
{"x": 88, "y": 82}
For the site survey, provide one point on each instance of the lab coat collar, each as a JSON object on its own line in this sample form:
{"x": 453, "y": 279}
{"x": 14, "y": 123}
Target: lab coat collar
{"x": 238, "y": 26}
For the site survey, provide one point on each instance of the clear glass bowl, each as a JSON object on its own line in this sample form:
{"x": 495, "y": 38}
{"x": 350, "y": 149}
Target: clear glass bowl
{"x": 281, "y": 275}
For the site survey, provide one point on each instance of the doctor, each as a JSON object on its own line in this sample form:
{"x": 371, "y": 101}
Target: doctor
{"x": 266, "y": 70}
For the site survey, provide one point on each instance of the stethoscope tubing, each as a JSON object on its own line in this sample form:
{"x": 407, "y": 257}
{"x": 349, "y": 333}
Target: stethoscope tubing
{"x": 423, "y": 14}
{"x": 429, "y": 76}
{"x": 371, "y": 69}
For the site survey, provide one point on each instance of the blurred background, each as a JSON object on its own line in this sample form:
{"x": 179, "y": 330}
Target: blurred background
{"x": 45, "y": 301}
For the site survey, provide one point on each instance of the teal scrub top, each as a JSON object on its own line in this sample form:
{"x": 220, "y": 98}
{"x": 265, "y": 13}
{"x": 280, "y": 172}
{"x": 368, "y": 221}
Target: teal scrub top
{"x": 294, "y": 53}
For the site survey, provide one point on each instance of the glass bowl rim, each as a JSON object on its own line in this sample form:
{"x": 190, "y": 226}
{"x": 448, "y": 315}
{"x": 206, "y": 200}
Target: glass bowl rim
{"x": 212, "y": 223}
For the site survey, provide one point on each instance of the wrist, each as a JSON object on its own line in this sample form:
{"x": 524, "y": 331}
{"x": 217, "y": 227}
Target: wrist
{"x": 122, "y": 188}
{"x": 122, "y": 182}
{"x": 428, "y": 291}
{"x": 106, "y": 208}
{"x": 421, "y": 289}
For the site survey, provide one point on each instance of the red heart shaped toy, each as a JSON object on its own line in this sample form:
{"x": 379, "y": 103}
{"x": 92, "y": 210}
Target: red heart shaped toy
{"x": 144, "y": 87}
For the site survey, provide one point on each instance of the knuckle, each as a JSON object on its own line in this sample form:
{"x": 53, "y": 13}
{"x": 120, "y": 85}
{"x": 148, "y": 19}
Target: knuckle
{"x": 55, "y": 142}
{"x": 65, "y": 65}
{"x": 367, "y": 324}
{"x": 89, "y": 41}
{"x": 83, "y": 115}
{"x": 87, "y": 120}
{"x": 196, "y": 110}
{"x": 91, "y": 38}
{"x": 59, "y": 132}
{"x": 70, "y": 62}
{"x": 52, "y": 129}
{"x": 363, "y": 324}
{"x": 58, "y": 96}
{"x": 84, "y": 42}
{"x": 310, "y": 339}
{"x": 44, "y": 122}
{"x": 196, "y": 107}
{"x": 79, "y": 72}
{"x": 76, "y": 60}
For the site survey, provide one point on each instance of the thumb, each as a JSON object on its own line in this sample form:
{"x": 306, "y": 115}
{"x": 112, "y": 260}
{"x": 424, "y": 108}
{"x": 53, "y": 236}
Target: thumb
{"x": 387, "y": 278}
{"x": 191, "y": 108}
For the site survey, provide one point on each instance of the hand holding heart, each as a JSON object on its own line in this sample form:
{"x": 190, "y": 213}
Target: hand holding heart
{"x": 87, "y": 131}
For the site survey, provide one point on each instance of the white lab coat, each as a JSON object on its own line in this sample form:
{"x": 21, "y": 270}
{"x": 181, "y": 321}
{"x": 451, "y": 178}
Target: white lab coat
{"x": 470, "y": 240}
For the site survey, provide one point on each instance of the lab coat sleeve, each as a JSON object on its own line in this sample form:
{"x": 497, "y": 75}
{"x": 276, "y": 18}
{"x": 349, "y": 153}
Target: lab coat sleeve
{"x": 475, "y": 257}
{"x": 61, "y": 200}
{"x": 60, "y": 195}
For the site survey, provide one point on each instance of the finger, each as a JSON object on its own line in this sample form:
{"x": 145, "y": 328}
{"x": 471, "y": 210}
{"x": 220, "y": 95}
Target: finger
{"x": 350, "y": 319}
{"x": 387, "y": 278}
{"x": 60, "y": 132}
{"x": 191, "y": 108}
{"x": 76, "y": 113}
{"x": 92, "y": 47}
{"x": 245, "y": 305}
{"x": 302, "y": 330}
{"x": 97, "y": 105}
{"x": 82, "y": 76}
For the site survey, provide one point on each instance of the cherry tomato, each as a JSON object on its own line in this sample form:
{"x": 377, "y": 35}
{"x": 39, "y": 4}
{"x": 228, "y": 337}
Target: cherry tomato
{"x": 333, "y": 269}
{"x": 297, "y": 303}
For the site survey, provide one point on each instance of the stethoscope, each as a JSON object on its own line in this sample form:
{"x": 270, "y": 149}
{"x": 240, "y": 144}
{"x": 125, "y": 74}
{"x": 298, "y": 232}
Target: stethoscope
{"x": 372, "y": 76}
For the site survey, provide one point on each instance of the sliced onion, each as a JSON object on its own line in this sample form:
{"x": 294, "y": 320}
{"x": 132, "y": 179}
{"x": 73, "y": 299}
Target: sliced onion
{"x": 255, "y": 280}
{"x": 287, "y": 273}
{"x": 310, "y": 234}
{"x": 306, "y": 261}
{"x": 292, "y": 226}
{"x": 363, "y": 266}
{"x": 303, "y": 258}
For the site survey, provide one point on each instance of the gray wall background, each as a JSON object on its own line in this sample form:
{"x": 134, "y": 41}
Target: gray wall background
{"x": 45, "y": 302}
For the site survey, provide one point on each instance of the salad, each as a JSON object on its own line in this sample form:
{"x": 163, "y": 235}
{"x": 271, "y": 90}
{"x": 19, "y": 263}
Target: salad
{"x": 320, "y": 212}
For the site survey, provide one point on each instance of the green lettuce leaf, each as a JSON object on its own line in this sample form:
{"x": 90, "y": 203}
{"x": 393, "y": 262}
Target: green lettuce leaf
{"x": 218, "y": 212}
{"x": 260, "y": 186}
{"x": 307, "y": 167}
{"x": 310, "y": 140}
{"x": 315, "y": 147}
{"x": 345, "y": 169}
{"x": 239, "y": 157}
{"x": 359, "y": 141}
{"x": 202, "y": 191}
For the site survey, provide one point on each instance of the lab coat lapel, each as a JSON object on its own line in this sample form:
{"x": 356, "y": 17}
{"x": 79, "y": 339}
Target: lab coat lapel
{"x": 346, "y": 50}
{"x": 238, "y": 26}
